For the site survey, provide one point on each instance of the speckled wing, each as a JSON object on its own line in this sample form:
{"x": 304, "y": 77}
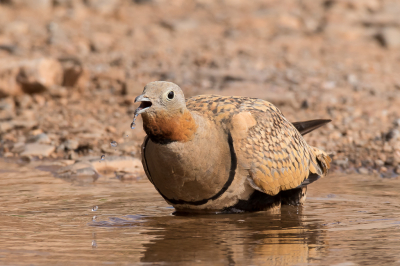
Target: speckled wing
{"x": 266, "y": 143}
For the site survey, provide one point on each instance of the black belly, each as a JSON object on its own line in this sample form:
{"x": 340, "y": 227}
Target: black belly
{"x": 259, "y": 201}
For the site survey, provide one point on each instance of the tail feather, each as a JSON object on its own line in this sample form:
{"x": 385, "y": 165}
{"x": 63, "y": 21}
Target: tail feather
{"x": 305, "y": 127}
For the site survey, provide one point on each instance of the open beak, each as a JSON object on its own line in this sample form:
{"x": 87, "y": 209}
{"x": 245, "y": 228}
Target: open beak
{"x": 145, "y": 104}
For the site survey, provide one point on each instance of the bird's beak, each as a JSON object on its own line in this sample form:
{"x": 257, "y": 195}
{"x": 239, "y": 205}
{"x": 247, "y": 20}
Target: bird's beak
{"x": 146, "y": 104}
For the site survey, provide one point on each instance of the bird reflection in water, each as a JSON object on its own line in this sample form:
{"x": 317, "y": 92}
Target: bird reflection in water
{"x": 282, "y": 238}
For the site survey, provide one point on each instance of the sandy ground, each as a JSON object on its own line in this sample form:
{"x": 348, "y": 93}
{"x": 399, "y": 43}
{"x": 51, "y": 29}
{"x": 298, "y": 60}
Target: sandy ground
{"x": 70, "y": 70}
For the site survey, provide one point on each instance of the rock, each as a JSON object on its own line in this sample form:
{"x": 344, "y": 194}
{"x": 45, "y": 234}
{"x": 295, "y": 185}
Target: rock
{"x": 81, "y": 172}
{"x": 18, "y": 147}
{"x": 101, "y": 42}
{"x": 7, "y": 109}
{"x": 6, "y": 126}
{"x": 397, "y": 170}
{"x": 41, "y": 138}
{"x": 24, "y": 123}
{"x": 39, "y": 75}
{"x": 72, "y": 155}
{"x": 7, "y": 104}
{"x": 363, "y": 171}
{"x": 71, "y": 144}
{"x": 119, "y": 164}
{"x": 379, "y": 162}
{"x": 24, "y": 101}
{"x": 38, "y": 5}
{"x": 34, "y": 149}
{"x": 16, "y": 27}
{"x": 103, "y": 7}
{"x": 342, "y": 163}
{"x": 8, "y": 83}
{"x": 60, "y": 148}
{"x": 389, "y": 37}
{"x": 75, "y": 75}
{"x": 329, "y": 85}
{"x": 180, "y": 25}
{"x": 8, "y": 154}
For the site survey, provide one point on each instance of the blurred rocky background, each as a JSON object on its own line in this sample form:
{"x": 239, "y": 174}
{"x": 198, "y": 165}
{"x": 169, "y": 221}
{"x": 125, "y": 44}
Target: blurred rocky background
{"x": 70, "y": 70}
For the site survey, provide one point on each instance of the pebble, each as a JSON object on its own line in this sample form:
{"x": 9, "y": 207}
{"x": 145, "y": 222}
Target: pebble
{"x": 363, "y": 171}
{"x": 390, "y": 37}
{"x": 34, "y": 149}
{"x": 39, "y": 74}
{"x": 41, "y": 138}
{"x": 71, "y": 144}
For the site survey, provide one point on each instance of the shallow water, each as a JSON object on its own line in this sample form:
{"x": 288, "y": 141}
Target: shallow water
{"x": 347, "y": 220}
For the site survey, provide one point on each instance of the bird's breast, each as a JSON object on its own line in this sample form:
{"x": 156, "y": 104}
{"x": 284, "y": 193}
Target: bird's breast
{"x": 190, "y": 171}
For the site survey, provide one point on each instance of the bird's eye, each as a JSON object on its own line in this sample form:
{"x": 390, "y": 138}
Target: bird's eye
{"x": 170, "y": 95}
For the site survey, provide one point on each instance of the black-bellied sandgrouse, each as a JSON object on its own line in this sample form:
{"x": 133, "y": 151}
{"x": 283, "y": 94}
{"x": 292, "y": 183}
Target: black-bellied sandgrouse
{"x": 225, "y": 154}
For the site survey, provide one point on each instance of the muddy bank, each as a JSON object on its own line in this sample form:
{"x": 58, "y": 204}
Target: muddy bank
{"x": 69, "y": 71}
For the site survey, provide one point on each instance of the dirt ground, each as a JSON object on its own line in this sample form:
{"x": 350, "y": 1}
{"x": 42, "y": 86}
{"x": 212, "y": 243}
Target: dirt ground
{"x": 70, "y": 70}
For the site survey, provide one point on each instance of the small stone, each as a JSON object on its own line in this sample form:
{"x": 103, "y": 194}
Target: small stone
{"x": 24, "y": 124}
{"x": 103, "y": 7}
{"x": 8, "y": 83}
{"x": 352, "y": 79}
{"x": 75, "y": 74}
{"x": 379, "y": 162}
{"x": 397, "y": 170}
{"x": 363, "y": 171}
{"x": 389, "y": 37}
{"x": 39, "y": 74}
{"x": 383, "y": 169}
{"x": 111, "y": 129}
{"x": 329, "y": 85}
{"x": 101, "y": 42}
{"x": 18, "y": 147}
{"x": 71, "y": 144}
{"x": 35, "y": 149}
{"x": 60, "y": 148}
{"x": 8, "y": 154}
{"x": 342, "y": 163}
{"x": 40, "y": 138}
{"x": 73, "y": 155}
{"x": 6, "y": 126}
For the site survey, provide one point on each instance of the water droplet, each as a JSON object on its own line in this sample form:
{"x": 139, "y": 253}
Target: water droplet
{"x": 94, "y": 244}
{"x": 95, "y": 208}
{"x": 94, "y": 218}
{"x": 102, "y": 157}
{"x": 113, "y": 143}
{"x": 133, "y": 125}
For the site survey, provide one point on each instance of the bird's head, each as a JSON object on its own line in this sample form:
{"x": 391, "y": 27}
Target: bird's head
{"x": 164, "y": 112}
{"x": 161, "y": 97}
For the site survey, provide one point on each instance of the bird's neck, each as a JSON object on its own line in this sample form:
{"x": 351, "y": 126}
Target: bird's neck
{"x": 164, "y": 127}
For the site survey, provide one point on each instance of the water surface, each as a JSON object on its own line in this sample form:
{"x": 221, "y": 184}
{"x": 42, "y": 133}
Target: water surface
{"x": 347, "y": 220}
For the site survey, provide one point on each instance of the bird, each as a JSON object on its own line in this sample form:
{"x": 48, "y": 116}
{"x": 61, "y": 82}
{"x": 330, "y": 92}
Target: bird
{"x": 225, "y": 154}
